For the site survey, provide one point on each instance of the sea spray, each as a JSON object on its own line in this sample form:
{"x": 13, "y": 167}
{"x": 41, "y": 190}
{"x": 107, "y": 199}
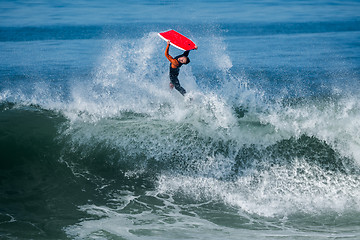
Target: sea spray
{"x": 96, "y": 145}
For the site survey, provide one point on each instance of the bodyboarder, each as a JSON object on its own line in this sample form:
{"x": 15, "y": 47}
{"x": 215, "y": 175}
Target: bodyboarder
{"x": 175, "y": 64}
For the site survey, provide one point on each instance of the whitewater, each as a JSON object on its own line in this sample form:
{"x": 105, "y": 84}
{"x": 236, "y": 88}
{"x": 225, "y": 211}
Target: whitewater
{"x": 95, "y": 145}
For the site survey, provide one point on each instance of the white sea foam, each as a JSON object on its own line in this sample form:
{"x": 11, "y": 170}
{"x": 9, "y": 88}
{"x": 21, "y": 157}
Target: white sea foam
{"x": 133, "y": 77}
{"x": 334, "y": 121}
{"x": 278, "y": 191}
{"x": 203, "y": 128}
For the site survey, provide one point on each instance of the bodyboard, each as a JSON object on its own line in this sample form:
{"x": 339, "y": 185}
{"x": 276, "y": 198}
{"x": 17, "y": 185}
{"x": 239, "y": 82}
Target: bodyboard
{"x": 177, "y": 40}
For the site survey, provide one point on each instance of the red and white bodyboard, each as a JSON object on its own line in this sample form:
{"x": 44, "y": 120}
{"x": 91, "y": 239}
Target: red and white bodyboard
{"x": 177, "y": 40}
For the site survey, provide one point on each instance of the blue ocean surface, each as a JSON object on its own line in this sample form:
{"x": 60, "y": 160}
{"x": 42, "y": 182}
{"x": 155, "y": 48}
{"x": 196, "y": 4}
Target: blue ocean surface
{"x": 264, "y": 145}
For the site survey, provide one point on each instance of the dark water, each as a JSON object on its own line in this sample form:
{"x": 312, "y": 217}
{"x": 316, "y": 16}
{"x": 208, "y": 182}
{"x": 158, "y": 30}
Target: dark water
{"x": 94, "y": 145}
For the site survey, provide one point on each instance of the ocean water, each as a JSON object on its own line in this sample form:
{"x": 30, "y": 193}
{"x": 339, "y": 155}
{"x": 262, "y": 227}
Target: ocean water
{"x": 94, "y": 144}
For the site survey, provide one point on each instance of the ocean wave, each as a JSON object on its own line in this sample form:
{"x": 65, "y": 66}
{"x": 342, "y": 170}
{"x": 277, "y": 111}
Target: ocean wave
{"x": 224, "y": 142}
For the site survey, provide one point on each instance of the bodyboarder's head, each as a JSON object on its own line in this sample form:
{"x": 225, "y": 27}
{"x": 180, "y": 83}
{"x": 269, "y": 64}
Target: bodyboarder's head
{"x": 184, "y": 60}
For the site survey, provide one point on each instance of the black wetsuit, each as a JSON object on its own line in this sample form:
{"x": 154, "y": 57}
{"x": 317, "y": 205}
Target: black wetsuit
{"x": 174, "y": 73}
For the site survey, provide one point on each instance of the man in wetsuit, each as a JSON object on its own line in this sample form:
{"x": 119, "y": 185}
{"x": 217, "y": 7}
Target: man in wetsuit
{"x": 175, "y": 64}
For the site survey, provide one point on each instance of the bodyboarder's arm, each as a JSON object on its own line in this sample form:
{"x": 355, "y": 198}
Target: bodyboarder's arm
{"x": 174, "y": 62}
{"x": 186, "y": 53}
